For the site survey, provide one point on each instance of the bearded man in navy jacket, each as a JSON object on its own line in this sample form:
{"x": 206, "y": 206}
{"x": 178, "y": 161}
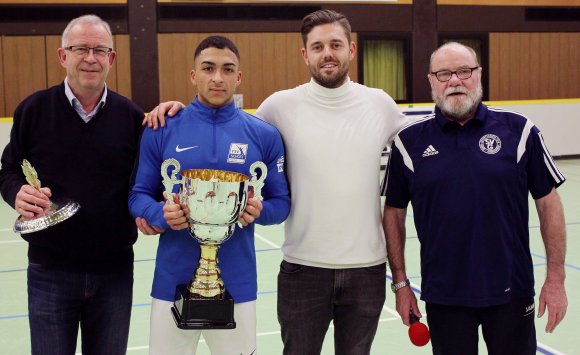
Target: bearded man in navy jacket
{"x": 467, "y": 170}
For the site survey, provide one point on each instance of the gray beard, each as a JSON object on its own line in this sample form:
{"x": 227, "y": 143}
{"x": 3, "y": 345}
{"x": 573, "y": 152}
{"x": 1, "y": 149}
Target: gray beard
{"x": 463, "y": 110}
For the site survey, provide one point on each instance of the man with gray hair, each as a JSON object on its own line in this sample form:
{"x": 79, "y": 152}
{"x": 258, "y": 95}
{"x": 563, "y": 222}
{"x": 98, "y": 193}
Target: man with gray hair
{"x": 467, "y": 170}
{"x": 82, "y": 138}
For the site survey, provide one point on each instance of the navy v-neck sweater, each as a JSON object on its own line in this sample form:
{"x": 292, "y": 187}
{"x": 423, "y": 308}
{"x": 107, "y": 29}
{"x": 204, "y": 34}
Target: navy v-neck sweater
{"x": 90, "y": 163}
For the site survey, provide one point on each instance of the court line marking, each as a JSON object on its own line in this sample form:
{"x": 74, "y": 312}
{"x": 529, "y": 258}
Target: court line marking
{"x": 545, "y": 349}
{"x": 11, "y": 241}
{"x": 414, "y": 286}
{"x": 267, "y": 241}
{"x": 391, "y": 311}
{"x": 542, "y": 348}
{"x": 543, "y": 257}
{"x": 201, "y": 340}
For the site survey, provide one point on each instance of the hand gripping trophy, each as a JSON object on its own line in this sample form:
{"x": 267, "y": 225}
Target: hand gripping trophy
{"x": 215, "y": 199}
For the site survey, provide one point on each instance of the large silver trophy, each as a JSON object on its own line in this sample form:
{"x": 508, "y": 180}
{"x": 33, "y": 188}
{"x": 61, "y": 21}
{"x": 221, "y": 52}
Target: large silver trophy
{"x": 60, "y": 208}
{"x": 215, "y": 199}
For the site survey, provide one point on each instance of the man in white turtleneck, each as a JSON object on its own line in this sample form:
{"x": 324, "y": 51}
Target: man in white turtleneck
{"x": 334, "y": 130}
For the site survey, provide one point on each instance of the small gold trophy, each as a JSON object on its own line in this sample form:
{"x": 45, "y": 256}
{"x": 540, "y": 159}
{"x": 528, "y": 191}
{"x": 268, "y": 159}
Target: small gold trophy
{"x": 215, "y": 199}
{"x": 60, "y": 208}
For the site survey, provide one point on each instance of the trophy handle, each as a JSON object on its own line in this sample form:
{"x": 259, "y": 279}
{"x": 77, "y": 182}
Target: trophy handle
{"x": 169, "y": 182}
{"x": 256, "y": 183}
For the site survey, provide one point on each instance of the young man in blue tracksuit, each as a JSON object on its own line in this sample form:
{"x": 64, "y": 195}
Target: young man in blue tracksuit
{"x": 210, "y": 133}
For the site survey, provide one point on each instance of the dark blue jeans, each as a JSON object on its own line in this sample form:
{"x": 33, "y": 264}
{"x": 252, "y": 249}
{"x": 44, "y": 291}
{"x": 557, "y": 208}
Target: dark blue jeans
{"x": 58, "y": 301}
{"x": 310, "y": 297}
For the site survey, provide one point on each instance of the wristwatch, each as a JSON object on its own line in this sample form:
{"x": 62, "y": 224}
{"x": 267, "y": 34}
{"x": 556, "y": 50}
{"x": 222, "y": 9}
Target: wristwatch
{"x": 399, "y": 285}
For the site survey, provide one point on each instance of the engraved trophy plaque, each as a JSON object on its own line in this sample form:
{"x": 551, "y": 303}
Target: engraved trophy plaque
{"x": 60, "y": 208}
{"x": 215, "y": 199}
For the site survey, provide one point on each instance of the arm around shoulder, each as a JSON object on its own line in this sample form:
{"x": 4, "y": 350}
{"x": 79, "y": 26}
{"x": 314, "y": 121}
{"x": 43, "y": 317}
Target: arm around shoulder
{"x": 276, "y": 204}
{"x": 143, "y": 195}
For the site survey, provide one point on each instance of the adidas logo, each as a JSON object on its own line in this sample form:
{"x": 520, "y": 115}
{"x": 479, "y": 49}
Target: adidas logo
{"x": 430, "y": 151}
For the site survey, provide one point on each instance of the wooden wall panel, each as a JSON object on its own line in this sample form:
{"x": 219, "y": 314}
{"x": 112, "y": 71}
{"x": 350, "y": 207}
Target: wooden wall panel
{"x": 259, "y": 61}
{"x": 67, "y": 2}
{"x": 535, "y": 60}
{"x": 269, "y": 62}
{"x": 504, "y": 78}
{"x": 24, "y": 68}
{"x": 565, "y": 62}
{"x": 493, "y": 71}
{"x": 516, "y": 71}
{"x": 523, "y": 77}
{"x": 287, "y": 53}
{"x": 495, "y": 19}
{"x": 573, "y": 69}
{"x": 30, "y": 63}
{"x": 175, "y": 63}
{"x": 272, "y": 62}
{"x": 526, "y": 66}
{"x": 353, "y": 70}
{"x": 122, "y": 66}
{"x": 511, "y": 2}
{"x": 554, "y": 65}
{"x": 55, "y": 73}
{"x": 285, "y": 2}
{"x": 2, "y": 91}
{"x": 112, "y": 76}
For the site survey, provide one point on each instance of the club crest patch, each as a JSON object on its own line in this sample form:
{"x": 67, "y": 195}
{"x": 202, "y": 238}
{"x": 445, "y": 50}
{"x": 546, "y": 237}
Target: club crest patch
{"x": 490, "y": 144}
{"x": 238, "y": 153}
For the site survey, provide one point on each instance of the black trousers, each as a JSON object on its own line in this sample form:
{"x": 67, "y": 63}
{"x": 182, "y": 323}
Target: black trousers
{"x": 507, "y": 329}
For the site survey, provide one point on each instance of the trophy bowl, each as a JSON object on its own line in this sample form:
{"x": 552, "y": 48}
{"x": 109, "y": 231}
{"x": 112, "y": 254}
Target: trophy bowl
{"x": 215, "y": 199}
{"x": 60, "y": 209}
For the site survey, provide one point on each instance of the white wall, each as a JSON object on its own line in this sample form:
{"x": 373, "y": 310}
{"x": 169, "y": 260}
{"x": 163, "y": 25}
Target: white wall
{"x": 4, "y": 133}
{"x": 559, "y": 121}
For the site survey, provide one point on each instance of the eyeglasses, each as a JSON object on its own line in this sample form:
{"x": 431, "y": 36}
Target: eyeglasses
{"x": 80, "y": 51}
{"x": 445, "y": 75}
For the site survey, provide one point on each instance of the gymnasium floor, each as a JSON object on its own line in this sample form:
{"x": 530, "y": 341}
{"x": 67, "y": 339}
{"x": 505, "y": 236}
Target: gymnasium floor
{"x": 391, "y": 337}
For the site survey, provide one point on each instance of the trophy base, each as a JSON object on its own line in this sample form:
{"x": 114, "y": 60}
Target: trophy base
{"x": 199, "y": 313}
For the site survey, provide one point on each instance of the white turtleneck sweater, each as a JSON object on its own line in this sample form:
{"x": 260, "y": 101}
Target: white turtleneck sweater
{"x": 333, "y": 140}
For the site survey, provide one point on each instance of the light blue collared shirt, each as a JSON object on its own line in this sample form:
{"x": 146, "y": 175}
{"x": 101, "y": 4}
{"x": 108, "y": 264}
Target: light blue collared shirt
{"x": 75, "y": 103}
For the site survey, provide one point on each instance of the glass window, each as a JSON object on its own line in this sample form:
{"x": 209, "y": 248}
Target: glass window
{"x": 384, "y": 66}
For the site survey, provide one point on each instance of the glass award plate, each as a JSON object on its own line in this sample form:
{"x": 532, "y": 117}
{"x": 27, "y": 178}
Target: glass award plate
{"x": 61, "y": 210}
